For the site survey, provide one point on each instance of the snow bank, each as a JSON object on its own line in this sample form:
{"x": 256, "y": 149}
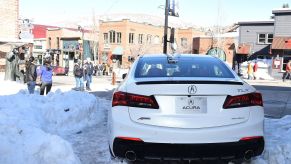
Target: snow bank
{"x": 277, "y": 142}
{"x": 31, "y": 125}
{"x": 263, "y": 69}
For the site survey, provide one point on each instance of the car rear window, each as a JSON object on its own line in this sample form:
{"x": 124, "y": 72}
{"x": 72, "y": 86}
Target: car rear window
{"x": 184, "y": 67}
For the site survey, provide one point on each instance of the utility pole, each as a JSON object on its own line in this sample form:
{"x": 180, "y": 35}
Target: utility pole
{"x": 81, "y": 29}
{"x": 166, "y": 27}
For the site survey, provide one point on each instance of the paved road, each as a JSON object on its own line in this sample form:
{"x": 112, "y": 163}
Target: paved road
{"x": 276, "y": 96}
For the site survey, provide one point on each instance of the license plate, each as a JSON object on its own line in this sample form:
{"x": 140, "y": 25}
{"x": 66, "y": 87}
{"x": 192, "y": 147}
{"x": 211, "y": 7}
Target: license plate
{"x": 191, "y": 105}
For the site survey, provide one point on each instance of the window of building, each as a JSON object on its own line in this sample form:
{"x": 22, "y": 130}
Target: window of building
{"x": 106, "y": 41}
{"x": 270, "y": 38}
{"x": 149, "y": 39}
{"x": 265, "y": 38}
{"x": 37, "y": 47}
{"x": 183, "y": 42}
{"x": 140, "y": 38}
{"x": 156, "y": 39}
{"x": 58, "y": 43}
{"x": 112, "y": 36}
{"x": 131, "y": 38}
{"x": 118, "y": 37}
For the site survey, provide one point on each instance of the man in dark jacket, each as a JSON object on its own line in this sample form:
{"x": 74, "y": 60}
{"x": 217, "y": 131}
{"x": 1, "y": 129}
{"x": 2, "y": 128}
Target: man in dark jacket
{"x": 88, "y": 70}
{"x": 78, "y": 73}
{"x": 30, "y": 75}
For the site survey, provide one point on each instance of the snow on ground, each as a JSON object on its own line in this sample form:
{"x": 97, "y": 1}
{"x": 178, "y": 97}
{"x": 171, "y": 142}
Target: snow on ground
{"x": 277, "y": 142}
{"x": 263, "y": 69}
{"x": 70, "y": 127}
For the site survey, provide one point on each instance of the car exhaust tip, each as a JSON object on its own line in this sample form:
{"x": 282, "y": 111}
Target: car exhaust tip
{"x": 248, "y": 155}
{"x": 130, "y": 156}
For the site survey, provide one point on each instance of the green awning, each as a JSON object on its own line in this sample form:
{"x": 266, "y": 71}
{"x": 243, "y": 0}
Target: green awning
{"x": 118, "y": 51}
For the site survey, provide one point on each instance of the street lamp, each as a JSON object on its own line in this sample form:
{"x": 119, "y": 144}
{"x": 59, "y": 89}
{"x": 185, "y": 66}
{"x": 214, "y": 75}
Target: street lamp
{"x": 81, "y": 29}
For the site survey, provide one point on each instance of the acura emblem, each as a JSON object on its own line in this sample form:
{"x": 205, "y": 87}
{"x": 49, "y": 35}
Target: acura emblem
{"x": 192, "y": 89}
{"x": 191, "y": 102}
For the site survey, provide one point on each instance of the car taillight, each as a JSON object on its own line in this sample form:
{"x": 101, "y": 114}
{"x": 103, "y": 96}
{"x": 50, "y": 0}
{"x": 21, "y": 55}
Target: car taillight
{"x": 250, "y": 99}
{"x": 133, "y": 100}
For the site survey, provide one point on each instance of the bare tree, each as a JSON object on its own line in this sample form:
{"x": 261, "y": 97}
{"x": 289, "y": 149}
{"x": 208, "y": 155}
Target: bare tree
{"x": 94, "y": 36}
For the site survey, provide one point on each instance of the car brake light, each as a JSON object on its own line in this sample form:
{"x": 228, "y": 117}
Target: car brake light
{"x": 250, "y": 99}
{"x": 133, "y": 100}
{"x": 130, "y": 139}
{"x": 251, "y": 138}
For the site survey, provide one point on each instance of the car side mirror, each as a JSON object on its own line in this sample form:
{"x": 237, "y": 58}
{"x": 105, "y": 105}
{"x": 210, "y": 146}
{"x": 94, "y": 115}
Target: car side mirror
{"x": 124, "y": 75}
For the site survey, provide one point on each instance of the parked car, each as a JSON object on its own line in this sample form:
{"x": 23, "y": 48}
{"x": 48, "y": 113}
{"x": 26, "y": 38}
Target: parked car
{"x": 58, "y": 70}
{"x": 185, "y": 107}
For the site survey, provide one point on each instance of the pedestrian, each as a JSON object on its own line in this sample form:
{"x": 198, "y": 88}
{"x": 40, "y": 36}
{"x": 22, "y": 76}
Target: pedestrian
{"x": 78, "y": 73}
{"x": 30, "y": 75}
{"x": 288, "y": 71}
{"x": 100, "y": 69}
{"x": 256, "y": 70}
{"x": 250, "y": 71}
{"x": 46, "y": 73}
{"x": 88, "y": 70}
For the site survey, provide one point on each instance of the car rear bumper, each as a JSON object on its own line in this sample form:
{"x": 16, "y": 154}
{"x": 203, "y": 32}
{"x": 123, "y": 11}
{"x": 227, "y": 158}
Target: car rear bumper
{"x": 208, "y": 151}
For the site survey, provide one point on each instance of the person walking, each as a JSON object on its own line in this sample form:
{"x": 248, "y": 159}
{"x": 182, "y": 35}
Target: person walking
{"x": 287, "y": 74}
{"x": 250, "y": 71}
{"x": 88, "y": 70}
{"x": 78, "y": 73}
{"x": 30, "y": 75}
{"x": 256, "y": 66}
{"x": 46, "y": 73}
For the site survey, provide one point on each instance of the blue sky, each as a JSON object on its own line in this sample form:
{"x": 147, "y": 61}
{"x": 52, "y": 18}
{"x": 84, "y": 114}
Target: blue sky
{"x": 199, "y": 12}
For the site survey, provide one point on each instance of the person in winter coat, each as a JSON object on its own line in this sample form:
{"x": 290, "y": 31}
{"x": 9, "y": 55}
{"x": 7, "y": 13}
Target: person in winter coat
{"x": 78, "y": 73}
{"x": 46, "y": 73}
{"x": 287, "y": 74}
{"x": 88, "y": 70}
{"x": 30, "y": 75}
{"x": 250, "y": 71}
{"x": 256, "y": 66}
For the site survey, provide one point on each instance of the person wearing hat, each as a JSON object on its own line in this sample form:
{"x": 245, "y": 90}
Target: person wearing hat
{"x": 30, "y": 74}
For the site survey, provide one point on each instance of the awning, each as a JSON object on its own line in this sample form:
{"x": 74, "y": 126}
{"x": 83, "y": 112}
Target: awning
{"x": 117, "y": 51}
{"x": 281, "y": 43}
{"x": 244, "y": 49}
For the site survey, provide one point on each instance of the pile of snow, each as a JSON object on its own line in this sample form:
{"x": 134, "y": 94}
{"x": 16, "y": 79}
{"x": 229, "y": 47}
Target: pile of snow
{"x": 31, "y": 125}
{"x": 263, "y": 72}
{"x": 277, "y": 142}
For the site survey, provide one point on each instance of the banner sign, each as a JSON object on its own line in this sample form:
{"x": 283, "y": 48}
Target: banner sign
{"x": 174, "y": 8}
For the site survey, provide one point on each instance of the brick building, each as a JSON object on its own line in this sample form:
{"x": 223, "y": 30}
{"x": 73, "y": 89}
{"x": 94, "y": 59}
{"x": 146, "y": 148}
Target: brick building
{"x": 222, "y": 47}
{"x": 9, "y": 15}
{"x": 120, "y": 41}
{"x": 65, "y": 45}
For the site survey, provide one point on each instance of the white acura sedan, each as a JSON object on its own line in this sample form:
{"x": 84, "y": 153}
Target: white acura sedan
{"x": 185, "y": 107}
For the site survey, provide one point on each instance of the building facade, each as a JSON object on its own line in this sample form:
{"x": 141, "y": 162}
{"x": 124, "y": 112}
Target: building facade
{"x": 122, "y": 41}
{"x": 9, "y": 16}
{"x": 281, "y": 45}
{"x": 222, "y": 47}
{"x": 67, "y": 45}
{"x": 255, "y": 39}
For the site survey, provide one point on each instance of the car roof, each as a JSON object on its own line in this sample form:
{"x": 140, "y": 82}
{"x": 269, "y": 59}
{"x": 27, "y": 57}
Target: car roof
{"x": 176, "y": 55}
